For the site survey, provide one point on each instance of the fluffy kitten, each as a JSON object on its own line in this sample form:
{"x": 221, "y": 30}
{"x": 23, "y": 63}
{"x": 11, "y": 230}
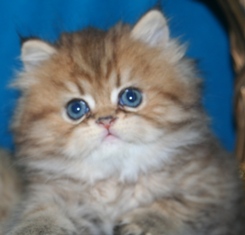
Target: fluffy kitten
{"x": 113, "y": 139}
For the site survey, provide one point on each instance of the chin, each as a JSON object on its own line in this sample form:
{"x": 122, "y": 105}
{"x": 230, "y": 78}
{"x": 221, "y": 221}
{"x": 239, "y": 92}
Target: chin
{"x": 111, "y": 147}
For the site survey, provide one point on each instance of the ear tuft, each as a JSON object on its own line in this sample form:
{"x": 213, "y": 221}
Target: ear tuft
{"x": 152, "y": 29}
{"x": 35, "y": 51}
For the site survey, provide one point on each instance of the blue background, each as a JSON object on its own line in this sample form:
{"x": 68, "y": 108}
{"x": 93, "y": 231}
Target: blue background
{"x": 193, "y": 22}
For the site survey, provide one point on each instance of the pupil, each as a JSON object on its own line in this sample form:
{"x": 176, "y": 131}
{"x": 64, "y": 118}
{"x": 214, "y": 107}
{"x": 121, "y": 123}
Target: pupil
{"x": 76, "y": 108}
{"x": 131, "y": 96}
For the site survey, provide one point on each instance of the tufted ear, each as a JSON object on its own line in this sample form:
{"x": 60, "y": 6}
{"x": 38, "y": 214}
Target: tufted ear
{"x": 152, "y": 29}
{"x": 35, "y": 51}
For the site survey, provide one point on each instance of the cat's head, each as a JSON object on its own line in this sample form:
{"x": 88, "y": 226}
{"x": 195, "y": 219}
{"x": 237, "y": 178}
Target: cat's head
{"x": 98, "y": 96}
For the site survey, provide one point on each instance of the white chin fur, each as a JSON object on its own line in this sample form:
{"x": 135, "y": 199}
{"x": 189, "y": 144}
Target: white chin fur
{"x": 135, "y": 151}
{"x": 119, "y": 159}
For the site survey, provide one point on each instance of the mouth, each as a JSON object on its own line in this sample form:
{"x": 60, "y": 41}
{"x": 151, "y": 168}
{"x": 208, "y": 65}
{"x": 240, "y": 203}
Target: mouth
{"x": 110, "y": 138}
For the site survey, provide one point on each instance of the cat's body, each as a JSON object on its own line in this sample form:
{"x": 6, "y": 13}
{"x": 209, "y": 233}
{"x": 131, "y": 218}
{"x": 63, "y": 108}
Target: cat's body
{"x": 111, "y": 135}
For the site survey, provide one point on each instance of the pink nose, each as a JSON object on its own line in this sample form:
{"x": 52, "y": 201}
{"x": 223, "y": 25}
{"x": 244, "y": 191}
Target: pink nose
{"x": 106, "y": 121}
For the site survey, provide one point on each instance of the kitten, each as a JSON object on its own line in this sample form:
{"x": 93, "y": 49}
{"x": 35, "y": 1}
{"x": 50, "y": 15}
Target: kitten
{"x": 113, "y": 139}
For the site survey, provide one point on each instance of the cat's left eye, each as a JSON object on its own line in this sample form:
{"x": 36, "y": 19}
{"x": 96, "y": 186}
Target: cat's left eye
{"x": 130, "y": 97}
{"x": 76, "y": 109}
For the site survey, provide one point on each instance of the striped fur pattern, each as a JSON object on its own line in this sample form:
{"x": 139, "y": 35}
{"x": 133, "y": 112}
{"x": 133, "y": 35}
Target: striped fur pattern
{"x": 159, "y": 172}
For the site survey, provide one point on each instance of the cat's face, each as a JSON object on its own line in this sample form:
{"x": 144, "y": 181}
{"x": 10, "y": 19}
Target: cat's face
{"x": 99, "y": 96}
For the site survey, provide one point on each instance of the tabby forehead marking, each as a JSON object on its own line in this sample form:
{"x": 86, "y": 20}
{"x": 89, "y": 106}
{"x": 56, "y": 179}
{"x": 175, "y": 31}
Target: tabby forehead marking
{"x": 125, "y": 75}
{"x": 113, "y": 79}
{"x": 73, "y": 88}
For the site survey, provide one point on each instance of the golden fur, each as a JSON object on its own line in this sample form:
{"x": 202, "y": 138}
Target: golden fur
{"x": 164, "y": 173}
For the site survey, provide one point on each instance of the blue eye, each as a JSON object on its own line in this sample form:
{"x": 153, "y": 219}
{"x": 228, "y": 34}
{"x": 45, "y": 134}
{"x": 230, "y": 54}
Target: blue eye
{"x": 130, "y": 97}
{"x": 76, "y": 109}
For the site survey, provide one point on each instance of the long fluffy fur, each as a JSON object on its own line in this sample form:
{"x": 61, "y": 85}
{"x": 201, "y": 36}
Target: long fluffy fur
{"x": 10, "y": 187}
{"x": 164, "y": 174}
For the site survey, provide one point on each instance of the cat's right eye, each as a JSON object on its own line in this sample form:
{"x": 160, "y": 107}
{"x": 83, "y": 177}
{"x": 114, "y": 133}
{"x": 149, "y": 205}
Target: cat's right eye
{"x": 76, "y": 109}
{"x": 130, "y": 97}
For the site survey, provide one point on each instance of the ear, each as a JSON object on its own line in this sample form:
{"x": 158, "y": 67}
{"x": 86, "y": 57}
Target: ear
{"x": 152, "y": 29}
{"x": 35, "y": 51}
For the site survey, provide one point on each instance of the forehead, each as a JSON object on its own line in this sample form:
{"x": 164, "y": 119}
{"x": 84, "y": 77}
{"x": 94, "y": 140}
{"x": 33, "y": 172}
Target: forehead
{"x": 96, "y": 62}
{"x": 89, "y": 55}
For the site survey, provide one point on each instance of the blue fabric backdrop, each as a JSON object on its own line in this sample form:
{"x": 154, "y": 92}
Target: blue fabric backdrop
{"x": 191, "y": 21}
